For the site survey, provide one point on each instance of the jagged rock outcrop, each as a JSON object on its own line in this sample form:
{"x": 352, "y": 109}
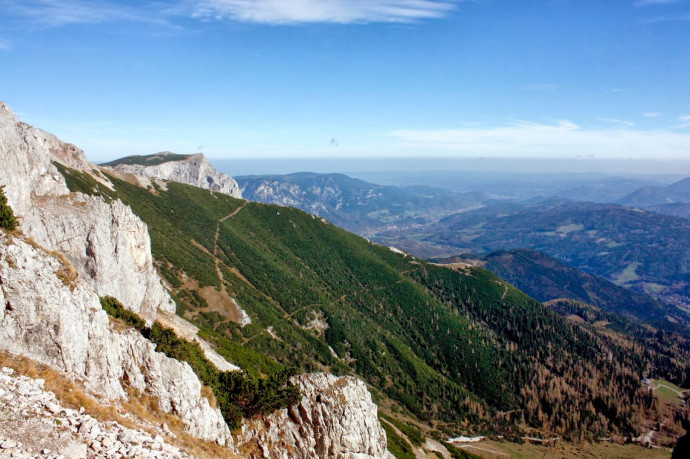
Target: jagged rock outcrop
{"x": 193, "y": 170}
{"x": 58, "y": 321}
{"x": 106, "y": 243}
{"x": 336, "y": 418}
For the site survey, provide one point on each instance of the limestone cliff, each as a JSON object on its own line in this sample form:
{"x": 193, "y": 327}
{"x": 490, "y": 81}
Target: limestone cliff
{"x": 107, "y": 244}
{"x": 192, "y": 169}
{"x": 58, "y": 321}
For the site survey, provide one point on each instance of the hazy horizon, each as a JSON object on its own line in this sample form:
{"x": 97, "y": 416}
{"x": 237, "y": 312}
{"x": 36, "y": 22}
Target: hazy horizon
{"x": 361, "y": 167}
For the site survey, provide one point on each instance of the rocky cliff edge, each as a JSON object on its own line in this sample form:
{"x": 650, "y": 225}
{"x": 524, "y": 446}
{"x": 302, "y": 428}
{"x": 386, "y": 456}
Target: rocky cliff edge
{"x": 106, "y": 243}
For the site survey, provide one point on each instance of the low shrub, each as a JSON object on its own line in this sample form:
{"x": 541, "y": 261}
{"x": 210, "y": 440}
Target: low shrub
{"x": 7, "y": 219}
{"x": 238, "y": 394}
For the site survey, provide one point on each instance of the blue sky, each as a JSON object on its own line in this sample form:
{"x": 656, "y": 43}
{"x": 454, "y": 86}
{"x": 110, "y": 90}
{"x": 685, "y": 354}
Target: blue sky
{"x": 362, "y": 78}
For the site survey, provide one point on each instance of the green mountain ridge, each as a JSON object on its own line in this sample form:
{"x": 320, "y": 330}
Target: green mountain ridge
{"x": 148, "y": 160}
{"x": 459, "y": 350}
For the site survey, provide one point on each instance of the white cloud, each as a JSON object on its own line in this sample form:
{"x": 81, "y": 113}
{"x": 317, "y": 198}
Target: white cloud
{"x": 652, "y": 114}
{"x": 671, "y": 18}
{"x": 685, "y": 122}
{"x": 562, "y": 140}
{"x": 66, "y": 12}
{"x": 328, "y": 11}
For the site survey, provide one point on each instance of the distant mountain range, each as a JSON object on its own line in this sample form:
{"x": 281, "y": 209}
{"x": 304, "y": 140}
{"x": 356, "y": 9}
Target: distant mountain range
{"x": 678, "y": 192}
{"x": 643, "y": 250}
{"x": 356, "y": 205}
{"x": 633, "y": 248}
{"x": 673, "y": 199}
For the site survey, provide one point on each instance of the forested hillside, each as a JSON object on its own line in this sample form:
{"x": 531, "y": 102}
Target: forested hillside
{"x": 545, "y": 278}
{"x": 459, "y": 350}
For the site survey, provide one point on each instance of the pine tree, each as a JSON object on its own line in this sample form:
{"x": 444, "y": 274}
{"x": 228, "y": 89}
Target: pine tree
{"x": 7, "y": 219}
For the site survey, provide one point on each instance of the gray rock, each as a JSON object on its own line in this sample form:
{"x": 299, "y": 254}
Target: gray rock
{"x": 194, "y": 170}
{"x": 74, "y": 450}
{"x": 7, "y": 444}
{"x": 56, "y": 317}
{"x": 336, "y": 418}
{"x": 54, "y": 408}
{"x": 63, "y": 326}
{"x": 105, "y": 243}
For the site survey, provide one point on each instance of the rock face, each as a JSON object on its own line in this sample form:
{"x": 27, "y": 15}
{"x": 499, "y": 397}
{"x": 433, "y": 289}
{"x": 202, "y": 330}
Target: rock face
{"x": 106, "y": 243}
{"x": 193, "y": 170}
{"x": 336, "y": 418}
{"x": 59, "y": 322}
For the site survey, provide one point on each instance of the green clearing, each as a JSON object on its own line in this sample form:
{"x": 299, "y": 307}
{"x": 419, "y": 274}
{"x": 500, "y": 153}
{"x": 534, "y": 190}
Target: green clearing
{"x": 628, "y": 274}
{"x": 567, "y": 229}
{"x": 667, "y": 391}
{"x": 601, "y": 450}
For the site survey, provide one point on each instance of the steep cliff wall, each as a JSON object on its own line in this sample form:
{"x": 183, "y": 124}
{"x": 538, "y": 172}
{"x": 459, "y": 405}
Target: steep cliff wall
{"x": 56, "y": 320}
{"x": 107, "y": 244}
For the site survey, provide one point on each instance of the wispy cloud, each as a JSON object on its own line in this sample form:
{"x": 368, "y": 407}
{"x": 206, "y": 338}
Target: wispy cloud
{"x": 561, "y": 140}
{"x": 617, "y": 121}
{"x": 639, "y": 3}
{"x": 651, "y": 114}
{"x": 4, "y": 45}
{"x": 67, "y": 12}
{"x": 668, "y": 18}
{"x": 685, "y": 122}
{"x": 326, "y": 11}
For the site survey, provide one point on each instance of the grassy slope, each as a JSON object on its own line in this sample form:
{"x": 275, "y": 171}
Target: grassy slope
{"x": 457, "y": 347}
{"x": 148, "y": 160}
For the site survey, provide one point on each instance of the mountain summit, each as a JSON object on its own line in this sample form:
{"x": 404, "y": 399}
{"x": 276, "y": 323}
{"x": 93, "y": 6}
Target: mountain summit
{"x": 193, "y": 170}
